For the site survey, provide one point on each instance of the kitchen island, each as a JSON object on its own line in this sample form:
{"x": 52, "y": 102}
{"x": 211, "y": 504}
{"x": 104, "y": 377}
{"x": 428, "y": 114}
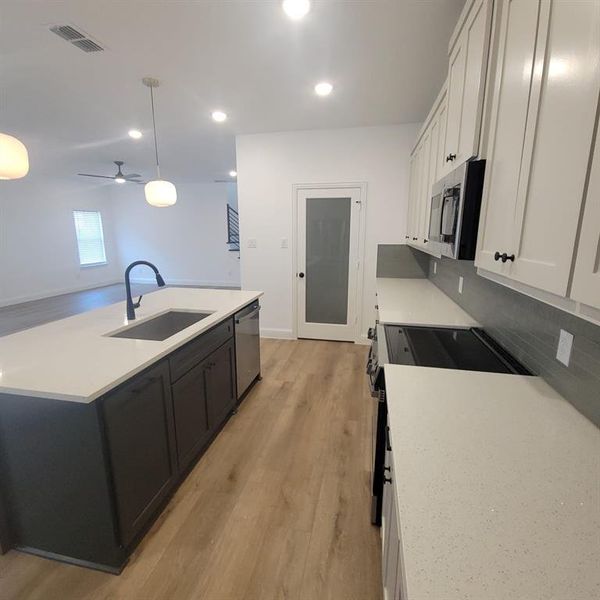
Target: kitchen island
{"x": 97, "y": 431}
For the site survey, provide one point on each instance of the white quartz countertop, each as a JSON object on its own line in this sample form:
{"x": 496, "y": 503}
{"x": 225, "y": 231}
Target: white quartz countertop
{"x": 73, "y": 359}
{"x": 498, "y": 487}
{"x": 418, "y": 302}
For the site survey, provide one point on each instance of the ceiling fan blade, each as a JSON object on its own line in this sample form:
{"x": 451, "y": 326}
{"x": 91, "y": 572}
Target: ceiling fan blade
{"x": 132, "y": 176}
{"x": 137, "y": 181}
{"x": 90, "y": 175}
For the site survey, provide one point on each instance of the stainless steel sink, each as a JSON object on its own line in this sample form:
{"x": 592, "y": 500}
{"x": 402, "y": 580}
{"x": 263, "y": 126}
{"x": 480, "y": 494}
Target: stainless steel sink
{"x": 161, "y": 327}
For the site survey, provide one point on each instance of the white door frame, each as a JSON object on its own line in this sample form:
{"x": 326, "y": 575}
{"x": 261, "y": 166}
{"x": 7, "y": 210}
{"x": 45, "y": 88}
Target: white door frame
{"x": 362, "y": 187}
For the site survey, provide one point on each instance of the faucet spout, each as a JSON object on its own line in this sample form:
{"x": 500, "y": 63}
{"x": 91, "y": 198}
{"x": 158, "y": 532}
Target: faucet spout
{"x": 131, "y": 306}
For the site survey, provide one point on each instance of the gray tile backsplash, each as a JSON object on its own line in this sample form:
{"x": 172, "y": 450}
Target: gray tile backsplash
{"x": 529, "y": 329}
{"x": 399, "y": 260}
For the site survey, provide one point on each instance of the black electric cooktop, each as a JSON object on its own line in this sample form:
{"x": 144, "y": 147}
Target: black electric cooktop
{"x": 448, "y": 348}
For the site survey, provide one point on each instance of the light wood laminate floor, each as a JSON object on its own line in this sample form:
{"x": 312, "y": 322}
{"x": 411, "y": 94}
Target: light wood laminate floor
{"x": 278, "y": 507}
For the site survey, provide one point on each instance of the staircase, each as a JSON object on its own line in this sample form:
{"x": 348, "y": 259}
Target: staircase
{"x": 233, "y": 229}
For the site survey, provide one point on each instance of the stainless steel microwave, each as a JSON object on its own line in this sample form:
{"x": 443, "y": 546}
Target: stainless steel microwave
{"x": 455, "y": 208}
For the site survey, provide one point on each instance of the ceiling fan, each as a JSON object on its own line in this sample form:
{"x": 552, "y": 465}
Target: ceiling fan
{"x": 119, "y": 177}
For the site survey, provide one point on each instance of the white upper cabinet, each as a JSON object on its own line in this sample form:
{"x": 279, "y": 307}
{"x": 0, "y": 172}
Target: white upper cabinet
{"x": 466, "y": 76}
{"x": 586, "y": 279}
{"x": 545, "y": 96}
{"x": 425, "y": 164}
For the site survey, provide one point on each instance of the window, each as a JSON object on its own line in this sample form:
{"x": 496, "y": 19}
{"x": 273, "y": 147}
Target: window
{"x": 90, "y": 237}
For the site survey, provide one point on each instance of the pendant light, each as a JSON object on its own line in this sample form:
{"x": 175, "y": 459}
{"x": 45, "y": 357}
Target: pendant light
{"x": 14, "y": 160}
{"x": 159, "y": 192}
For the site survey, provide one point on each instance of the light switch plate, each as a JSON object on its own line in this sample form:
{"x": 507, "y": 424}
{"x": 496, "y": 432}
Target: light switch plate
{"x": 284, "y": 242}
{"x": 565, "y": 344}
{"x": 460, "y": 284}
{"x": 251, "y": 242}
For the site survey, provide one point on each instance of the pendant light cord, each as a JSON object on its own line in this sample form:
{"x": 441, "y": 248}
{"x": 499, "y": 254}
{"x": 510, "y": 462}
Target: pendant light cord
{"x": 154, "y": 126}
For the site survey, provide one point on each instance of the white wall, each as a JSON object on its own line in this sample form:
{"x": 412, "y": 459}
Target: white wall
{"x": 187, "y": 241}
{"x": 38, "y": 245}
{"x": 269, "y": 165}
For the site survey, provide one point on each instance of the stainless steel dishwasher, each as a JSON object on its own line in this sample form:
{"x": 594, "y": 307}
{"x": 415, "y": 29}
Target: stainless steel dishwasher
{"x": 247, "y": 347}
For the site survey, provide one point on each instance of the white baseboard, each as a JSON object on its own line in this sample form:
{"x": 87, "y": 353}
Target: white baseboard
{"x": 278, "y": 334}
{"x": 189, "y": 283}
{"x": 57, "y": 292}
{"x": 363, "y": 340}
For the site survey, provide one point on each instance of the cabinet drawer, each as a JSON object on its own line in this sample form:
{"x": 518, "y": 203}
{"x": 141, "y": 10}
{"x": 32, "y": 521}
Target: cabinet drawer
{"x": 192, "y": 353}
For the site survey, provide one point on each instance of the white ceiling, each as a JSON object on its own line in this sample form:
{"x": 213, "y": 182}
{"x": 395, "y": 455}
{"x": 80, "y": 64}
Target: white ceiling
{"x": 386, "y": 59}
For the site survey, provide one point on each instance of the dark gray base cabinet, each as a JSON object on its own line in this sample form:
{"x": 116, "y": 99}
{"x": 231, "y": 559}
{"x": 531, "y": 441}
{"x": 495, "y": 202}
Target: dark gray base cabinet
{"x": 140, "y": 436}
{"x": 83, "y": 482}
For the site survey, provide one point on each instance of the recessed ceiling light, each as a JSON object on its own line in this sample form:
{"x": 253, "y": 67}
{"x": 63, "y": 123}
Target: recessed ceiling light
{"x": 136, "y": 134}
{"x": 323, "y": 89}
{"x": 296, "y": 9}
{"x": 232, "y": 173}
{"x": 219, "y": 116}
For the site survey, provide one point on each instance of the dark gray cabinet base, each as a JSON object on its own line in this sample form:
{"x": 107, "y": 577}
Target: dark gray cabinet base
{"x": 82, "y": 483}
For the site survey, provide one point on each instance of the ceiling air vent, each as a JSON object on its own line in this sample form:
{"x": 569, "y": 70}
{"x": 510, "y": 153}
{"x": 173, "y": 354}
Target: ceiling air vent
{"x": 77, "y": 38}
{"x": 87, "y": 45}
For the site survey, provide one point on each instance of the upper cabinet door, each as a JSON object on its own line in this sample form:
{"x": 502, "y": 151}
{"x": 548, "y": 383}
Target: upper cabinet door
{"x": 441, "y": 139}
{"x": 425, "y": 188}
{"x": 556, "y": 152}
{"x": 412, "y": 184}
{"x": 543, "y": 111}
{"x": 512, "y": 84}
{"x": 586, "y": 280}
{"x": 466, "y": 78}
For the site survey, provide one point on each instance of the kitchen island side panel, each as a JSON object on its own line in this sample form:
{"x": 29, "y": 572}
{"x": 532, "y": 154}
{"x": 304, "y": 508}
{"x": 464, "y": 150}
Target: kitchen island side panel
{"x": 54, "y": 481}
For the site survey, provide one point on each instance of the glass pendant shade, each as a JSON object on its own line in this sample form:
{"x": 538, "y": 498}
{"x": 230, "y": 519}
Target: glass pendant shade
{"x": 160, "y": 193}
{"x": 14, "y": 160}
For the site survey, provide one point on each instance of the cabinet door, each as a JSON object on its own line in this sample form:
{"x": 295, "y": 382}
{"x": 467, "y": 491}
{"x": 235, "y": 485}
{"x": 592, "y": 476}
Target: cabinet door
{"x": 441, "y": 156}
{"x": 560, "y": 123}
{"x": 586, "y": 280}
{"x": 516, "y": 52}
{"x": 140, "y": 436}
{"x": 466, "y": 79}
{"x": 191, "y": 418}
{"x": 390, "y": 537}
{"x": 412, "y": 185}
{"x": 425, "y": 190}
{"x": 220, "y": 385}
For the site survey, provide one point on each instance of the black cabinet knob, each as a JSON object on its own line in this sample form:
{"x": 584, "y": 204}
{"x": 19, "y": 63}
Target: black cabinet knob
{"x": 387, "y": 480}
{"x": 450, "y": 157}
{"x": 387, "y": 468}
{"x": 504, "y": 257}
{"x": 425, "y": 241}
{"x": 415, "y": 239}
{"x": 301, "y": 275}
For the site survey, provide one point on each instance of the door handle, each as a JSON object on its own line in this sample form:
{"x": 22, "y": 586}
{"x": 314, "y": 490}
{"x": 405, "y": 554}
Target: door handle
{"x": 301, "y": 275}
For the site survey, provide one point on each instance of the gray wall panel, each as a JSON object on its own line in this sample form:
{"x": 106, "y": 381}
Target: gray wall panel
{"x": 529, "y": 329}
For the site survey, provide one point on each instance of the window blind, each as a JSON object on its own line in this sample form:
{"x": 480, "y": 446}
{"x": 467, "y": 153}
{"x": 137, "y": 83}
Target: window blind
{"x": 90, "y": 237}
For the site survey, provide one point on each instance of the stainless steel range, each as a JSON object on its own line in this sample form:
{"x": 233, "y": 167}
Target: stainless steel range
{"x": 442, "y": 347}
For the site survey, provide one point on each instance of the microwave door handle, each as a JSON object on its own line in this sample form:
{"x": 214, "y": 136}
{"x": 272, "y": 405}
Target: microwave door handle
{"x": 442, "y": 214}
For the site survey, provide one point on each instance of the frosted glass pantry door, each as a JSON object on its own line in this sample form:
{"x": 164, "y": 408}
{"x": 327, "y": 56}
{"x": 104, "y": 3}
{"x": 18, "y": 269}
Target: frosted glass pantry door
{"x": 327, "y": 262}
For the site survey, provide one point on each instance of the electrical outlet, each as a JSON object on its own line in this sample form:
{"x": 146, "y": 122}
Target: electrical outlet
{"x": 434, "y": 267}
{"x": 565, "y": 344}
{"x": 460, "y": 284}
{"x": 284, "y": 242}
{"x": 251, "y": 242}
